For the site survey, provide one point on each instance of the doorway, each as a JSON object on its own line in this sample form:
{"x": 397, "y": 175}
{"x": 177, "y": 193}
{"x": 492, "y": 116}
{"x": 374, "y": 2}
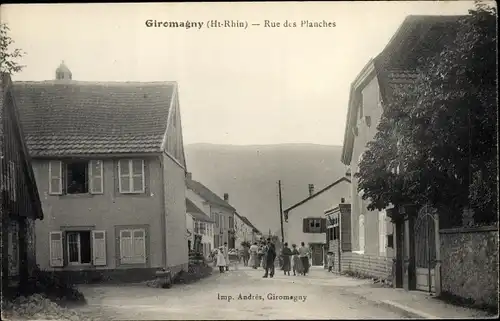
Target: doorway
{"x": 317, "y": 253}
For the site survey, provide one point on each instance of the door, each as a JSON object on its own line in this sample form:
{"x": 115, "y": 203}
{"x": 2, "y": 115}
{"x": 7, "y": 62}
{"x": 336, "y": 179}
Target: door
{"x": 425, "y": 250}
{"x": 317, "y": 254}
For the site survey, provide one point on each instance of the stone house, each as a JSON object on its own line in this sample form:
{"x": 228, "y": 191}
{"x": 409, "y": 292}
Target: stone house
{"x": 20, "y": 202}
{"x": 199, "y": 224}
{"x": 220, "y": 211}
{"x": 377, "y": 238}
{"x": 305, "y": 221}
{"x": 109, "y": 162}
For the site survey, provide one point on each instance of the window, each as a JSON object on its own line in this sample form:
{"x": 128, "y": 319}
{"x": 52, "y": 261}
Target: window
{"x": 361, "y": 233}
{"x": 133, "y": 246}
{"x": 131, "y": 176}
{"x": 314, "y": 225}
{"x": 223, "y": 225}
{"x": 78, "y": 245}
{"x": 82, "y": 247}
{"x": 76, "y": 177}
{"x": 216, "y": 217}
{"x": 335, "y": 233}
{"x": 231, "y": 222}
{"x": 382, "y": 228}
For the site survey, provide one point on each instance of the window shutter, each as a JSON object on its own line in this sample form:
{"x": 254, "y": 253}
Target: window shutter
{"x": 55, "y": 177}
{"x": 125, "y": 246}
{"x": 382, "y": 232}
{"x": 124, "y": 176}
{"x": 323, "y": 225}
{"x": 305, "y": 225}
{"x": 139, "y": 246}
{"x": 96, "y": 177}
{"x": 56, "y": 249}
{"x": 361, "y": 232}
{"x": 99, "y": 247}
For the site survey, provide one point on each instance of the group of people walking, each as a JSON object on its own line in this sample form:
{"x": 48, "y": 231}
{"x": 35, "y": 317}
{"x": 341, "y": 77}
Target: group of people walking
{"x": 263, "y": 254}
{"x": 295, "y": 259}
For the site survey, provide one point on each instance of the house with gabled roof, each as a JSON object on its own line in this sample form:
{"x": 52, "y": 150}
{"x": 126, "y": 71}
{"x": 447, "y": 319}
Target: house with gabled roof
{"x": 376, "y": 239}
{"x": 218, "y": 208}
{"x": 20, "y": 202}
{"x": 109, "y": 163}
{"x": 199, "y": 224}
{"x": 304, "y": 221}
{"x": 244, "y": 230}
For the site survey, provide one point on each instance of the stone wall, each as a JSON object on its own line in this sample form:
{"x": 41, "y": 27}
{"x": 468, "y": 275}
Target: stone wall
{"x": 368, "y": 265}
{"x": 470, "y": 264}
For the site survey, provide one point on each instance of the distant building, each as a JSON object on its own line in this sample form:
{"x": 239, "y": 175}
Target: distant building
{"x": 245, "y": 231}
{"x": 199, "y": 223}
{"x": 220, "y": 211}
{"x": 305, "y": 222}
{"x": 109, "y": 163}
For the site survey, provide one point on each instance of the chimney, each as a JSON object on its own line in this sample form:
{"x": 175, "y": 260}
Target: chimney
{"x": 311, "y": 189}
{"x": 226, "y": 197}
{"x": 342, "y": 200}
{"x": 189, "y": 176}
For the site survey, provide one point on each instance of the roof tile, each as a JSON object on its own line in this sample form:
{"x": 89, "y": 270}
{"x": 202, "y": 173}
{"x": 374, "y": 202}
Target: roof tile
{"x": 71, "y": 118}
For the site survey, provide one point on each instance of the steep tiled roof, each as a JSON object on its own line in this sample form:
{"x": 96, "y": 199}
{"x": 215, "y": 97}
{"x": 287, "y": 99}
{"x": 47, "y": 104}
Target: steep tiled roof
{"x": 207, "y": 194}
{"x": 196, "y": 212}
{"x": 247, "y": 221}
{"x": 75, "y": 118}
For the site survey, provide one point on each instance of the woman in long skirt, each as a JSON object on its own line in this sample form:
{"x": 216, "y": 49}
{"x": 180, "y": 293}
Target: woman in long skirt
{"x": 296, "y": 264}
{"x": 254, "y": 256}
{"x": 286, "y": 255}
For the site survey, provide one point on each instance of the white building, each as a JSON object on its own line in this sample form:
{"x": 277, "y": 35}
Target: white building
{"x": 199, "y": 223}
{"x": 244, "y": 230}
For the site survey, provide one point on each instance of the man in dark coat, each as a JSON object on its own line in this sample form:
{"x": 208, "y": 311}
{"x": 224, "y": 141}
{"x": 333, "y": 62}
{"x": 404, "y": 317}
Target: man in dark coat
{"x": 270, "y": 257}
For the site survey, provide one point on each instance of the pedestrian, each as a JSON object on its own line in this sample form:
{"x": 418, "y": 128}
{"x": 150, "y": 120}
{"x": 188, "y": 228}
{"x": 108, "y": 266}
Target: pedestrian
{"x": 286, "y": 255}
{"x": 296, "y": 264}
{"x": 304, "y": 257}
{"x": 329, "y": 258}
{"x": 246, "y": 255}
{"x": 270, "y": 256}
{"x": 226, "y": 255}
{"x": 254, "y": 255}
{"x": 221, "y": 261}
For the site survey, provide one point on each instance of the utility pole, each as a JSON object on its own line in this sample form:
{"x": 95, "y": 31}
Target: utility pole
{"x": 281, "y": 213}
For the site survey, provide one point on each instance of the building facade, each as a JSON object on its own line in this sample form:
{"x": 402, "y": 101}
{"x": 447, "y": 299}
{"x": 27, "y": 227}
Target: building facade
{"x": 305, "y": 221}
{"x": 111, "y": 175}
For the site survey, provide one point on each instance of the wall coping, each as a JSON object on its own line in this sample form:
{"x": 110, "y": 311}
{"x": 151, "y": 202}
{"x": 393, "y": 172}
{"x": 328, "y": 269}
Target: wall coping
{"x": 477, "y": 229}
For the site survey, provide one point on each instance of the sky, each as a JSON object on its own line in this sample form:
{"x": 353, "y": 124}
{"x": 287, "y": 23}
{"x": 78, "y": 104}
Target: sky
{"x": 242, "y": 86}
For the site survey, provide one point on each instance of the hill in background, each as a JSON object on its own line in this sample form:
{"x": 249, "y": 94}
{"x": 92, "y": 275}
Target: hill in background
{"x": 250, "y": 175}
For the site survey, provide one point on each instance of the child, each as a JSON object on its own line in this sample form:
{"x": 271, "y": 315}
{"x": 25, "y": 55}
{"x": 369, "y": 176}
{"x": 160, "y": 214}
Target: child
{"x": 329, "y": 257}
{"x": 221, "y": 261}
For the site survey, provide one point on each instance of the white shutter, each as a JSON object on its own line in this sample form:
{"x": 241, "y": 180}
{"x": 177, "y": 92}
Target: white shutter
{"x": 382, "y": 227}
{"x": 55, "y": 177}
{"x": 99, "y": 247}
{"x": 126, "y": 246}
{"x": 124, "y": 181}
{"x": 362, "y": 233}
{"x": 96, "y": 177}
{"x": 56, "y": 249}
{"x": 139, "y": 246}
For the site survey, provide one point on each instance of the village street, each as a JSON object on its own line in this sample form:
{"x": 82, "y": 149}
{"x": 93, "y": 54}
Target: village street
{"x": 319, "y": 296}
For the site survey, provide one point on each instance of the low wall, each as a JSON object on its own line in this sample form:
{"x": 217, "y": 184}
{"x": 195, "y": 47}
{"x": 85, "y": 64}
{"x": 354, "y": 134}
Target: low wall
{"x": 366, "y": 264}
{"x": 470, "y": 264}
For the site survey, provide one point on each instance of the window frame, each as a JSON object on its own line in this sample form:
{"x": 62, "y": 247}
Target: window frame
{"x": 312, "y": 225}
{"x": 132, "y": 237}
{"x": 79, "y": 246}
{"x": 130, "y": 176}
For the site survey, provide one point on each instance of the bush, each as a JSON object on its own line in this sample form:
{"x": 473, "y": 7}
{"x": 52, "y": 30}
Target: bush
{"x": 37, "y": 307}
{"x": 52, "y": 286}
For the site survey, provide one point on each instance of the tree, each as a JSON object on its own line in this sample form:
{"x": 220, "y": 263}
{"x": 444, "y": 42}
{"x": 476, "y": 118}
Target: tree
{"x": 436, "y": 141}
{"x": 9, "y": 56}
